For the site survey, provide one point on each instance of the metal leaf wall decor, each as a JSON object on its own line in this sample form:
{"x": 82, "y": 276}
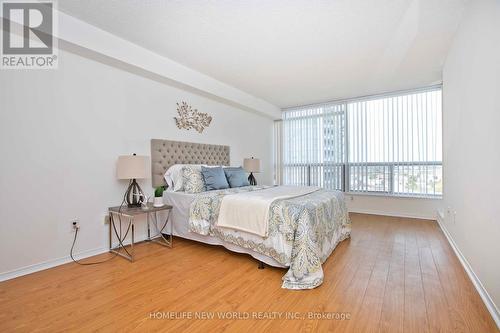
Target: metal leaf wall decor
{"x": 191, "y": 118}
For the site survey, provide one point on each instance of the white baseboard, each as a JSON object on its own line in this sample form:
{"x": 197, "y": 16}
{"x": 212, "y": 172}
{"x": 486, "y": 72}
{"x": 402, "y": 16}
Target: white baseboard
{"x": 49, "y": 264}
{"x": 488, "y": 301}
{"x": 385, "y": 213}
{"x": 56, "y": 262}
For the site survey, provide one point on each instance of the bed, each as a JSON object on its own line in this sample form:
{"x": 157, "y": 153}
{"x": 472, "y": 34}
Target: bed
{"x": 301, "y": 230}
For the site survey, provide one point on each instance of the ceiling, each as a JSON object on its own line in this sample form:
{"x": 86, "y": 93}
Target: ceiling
{"x": 290, "y": 52}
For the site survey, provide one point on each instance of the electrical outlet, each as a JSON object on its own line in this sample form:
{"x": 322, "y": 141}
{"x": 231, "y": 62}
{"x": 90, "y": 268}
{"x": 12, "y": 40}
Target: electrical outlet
{"x": 75, "y": 224}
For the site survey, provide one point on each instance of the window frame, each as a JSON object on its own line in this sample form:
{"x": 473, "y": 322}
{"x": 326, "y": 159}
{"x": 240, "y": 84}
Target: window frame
{"x": 346, "y": 165}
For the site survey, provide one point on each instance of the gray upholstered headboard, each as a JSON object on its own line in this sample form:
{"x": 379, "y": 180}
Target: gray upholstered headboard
{"x": 165, "y": 153}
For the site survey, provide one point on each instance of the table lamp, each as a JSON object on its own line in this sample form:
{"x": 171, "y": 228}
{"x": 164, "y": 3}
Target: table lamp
{"x": 133, "y": 167}
{"x": 251, "y": 165}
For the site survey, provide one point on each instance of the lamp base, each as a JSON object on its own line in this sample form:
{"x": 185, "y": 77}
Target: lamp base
{"x": 131, "y": 198}
{"x": 252, "y": 180}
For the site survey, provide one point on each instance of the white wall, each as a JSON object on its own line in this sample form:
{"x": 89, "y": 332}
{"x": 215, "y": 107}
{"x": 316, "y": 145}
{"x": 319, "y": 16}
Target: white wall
{"x": 471, "y": 139}
{"x": 393, "y": 206}
{"x": 60, "y": 134}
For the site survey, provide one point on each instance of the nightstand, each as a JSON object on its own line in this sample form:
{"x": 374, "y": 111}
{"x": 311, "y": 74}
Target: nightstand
{"x": 124, "y": 214}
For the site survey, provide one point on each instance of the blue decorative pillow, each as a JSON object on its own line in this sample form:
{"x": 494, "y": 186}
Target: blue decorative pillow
{"x": 214, "y": 178}
{"x": 236, "y": 177}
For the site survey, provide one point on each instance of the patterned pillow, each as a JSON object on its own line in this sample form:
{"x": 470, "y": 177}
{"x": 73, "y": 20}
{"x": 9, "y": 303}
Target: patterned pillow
{"x": 173, "y": 176}
{"x": 192, "y": 179}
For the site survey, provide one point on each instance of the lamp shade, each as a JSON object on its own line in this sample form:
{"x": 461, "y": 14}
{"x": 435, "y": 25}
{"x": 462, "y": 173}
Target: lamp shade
{"x": 132, "y": 167}
{"x": 251, "y": 164}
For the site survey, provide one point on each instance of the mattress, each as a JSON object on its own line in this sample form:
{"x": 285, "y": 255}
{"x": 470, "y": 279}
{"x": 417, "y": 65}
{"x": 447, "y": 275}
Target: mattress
{"x": 181, "y": 203}
{"x": 302, "y": 230}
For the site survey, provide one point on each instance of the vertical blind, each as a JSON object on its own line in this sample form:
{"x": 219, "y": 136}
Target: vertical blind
{"x": 389, "y": 144}
{"x": 278, "y": 152}
{"x": 313, "y": 146}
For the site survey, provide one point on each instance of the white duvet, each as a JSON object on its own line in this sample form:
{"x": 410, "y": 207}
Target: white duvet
{"x": 249, "y": 211}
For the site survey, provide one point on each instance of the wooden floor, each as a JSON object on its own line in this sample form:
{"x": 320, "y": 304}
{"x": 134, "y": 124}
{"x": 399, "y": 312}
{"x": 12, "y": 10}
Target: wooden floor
{"x": 393, "y": 275}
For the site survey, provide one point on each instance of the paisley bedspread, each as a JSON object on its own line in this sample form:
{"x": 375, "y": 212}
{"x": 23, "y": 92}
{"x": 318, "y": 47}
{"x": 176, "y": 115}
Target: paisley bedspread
{"x": 303, "y": 231}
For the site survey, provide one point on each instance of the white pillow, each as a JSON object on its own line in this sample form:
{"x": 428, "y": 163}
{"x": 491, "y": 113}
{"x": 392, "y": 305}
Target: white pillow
{"x": 173, "y": 176}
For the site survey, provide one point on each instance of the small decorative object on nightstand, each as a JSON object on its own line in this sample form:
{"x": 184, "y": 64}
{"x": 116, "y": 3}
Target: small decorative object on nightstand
{"x": 127, "y": 215}
{"x": 158, "y": 201}
{"x": 251, "y": 165}
{"x": 144, "y": 200}
{"x": 133, "y": 167}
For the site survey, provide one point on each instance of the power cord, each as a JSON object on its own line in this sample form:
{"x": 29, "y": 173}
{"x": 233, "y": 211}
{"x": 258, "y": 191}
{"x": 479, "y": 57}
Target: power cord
{"x": 85, "y": 263}
{"x": 120, "y": 240}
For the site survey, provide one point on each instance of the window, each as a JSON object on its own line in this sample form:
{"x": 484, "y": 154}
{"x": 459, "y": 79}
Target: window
{"x": 388, "y": 144}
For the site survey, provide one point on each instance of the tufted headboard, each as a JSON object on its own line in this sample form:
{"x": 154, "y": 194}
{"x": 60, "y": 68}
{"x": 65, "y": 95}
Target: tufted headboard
{"x": 165, "y": 153}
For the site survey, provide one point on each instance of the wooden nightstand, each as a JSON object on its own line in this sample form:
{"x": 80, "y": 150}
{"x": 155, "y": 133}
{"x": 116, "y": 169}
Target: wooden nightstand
{"x": 127, "y": 215}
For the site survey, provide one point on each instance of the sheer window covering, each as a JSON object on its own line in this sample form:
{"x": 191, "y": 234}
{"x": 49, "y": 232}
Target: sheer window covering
{"x": 387, "y": 144}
